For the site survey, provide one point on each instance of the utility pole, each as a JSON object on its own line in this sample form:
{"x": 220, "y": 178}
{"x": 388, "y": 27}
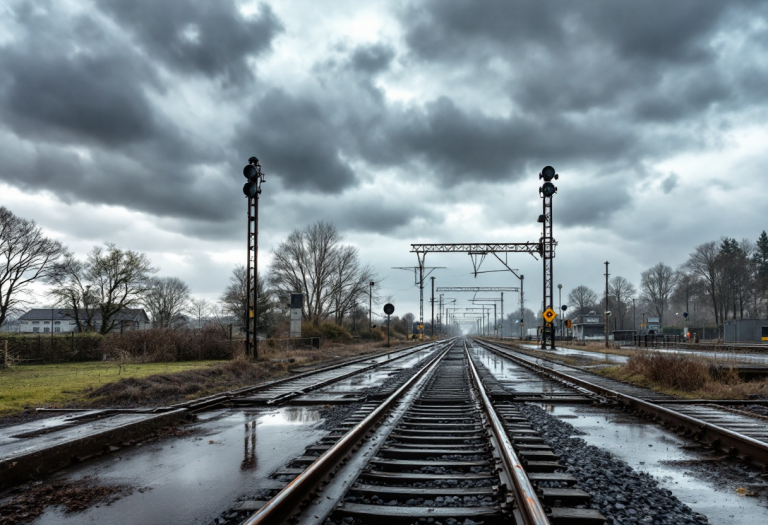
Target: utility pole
{"x": 522, "y": 307}
{"x": 432, "y": 328}
{"x": 501, "y": 332}
{"x": 442, "y": 319}
{"x": 607, "y": 311}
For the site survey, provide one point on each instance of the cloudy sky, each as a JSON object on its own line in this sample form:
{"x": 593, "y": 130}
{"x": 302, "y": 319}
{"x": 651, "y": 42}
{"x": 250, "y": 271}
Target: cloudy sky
{"x": 398, "y": 121}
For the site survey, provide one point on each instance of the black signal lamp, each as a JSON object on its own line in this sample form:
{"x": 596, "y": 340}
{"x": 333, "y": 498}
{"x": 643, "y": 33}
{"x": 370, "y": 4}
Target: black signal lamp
{"x": 250, "y": 172}
{"x": 548, "y": 189}
{"x": 541, "y": 218}
{"x": 548, "y": 173}
{"x": 250, "y": 189}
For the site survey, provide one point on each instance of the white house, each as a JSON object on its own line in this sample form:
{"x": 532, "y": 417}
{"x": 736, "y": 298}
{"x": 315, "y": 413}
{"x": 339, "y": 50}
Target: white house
{"x": 45, "y": 320}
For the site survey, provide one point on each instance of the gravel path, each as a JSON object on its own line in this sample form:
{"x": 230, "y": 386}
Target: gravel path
{"x": 621, "y": 494}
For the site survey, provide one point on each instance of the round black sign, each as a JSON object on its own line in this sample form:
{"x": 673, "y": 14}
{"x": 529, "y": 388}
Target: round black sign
{"x": 389, "y": 309}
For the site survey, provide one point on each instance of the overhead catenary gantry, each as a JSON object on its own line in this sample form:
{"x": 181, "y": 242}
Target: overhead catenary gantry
{"x": 545, "y": 248}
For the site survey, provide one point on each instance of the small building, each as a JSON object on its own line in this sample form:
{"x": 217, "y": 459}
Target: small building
{"x": 589, "y": 326}
{"x": 62, "y": 320}
{"x": 745, "y": 331}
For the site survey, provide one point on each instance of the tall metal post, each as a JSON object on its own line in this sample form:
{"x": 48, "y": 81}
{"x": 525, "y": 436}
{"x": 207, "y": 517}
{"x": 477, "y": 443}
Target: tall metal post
{"x": 501, "y": 332}
{"x": 421, "y": 302}
{"x": 370, "y": 306}
{"x": 522, "y": 306}
{"x": 441, "y": 318}
{"x": 607, "y": 309}
{"x": 560, "y": 309}
{"x": 432, "y": 328}
{"x": 547, "y": 191}
{"x": 252, "y": 190}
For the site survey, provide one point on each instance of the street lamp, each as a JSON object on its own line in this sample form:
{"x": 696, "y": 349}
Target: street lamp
{"x": 252, "y": 189}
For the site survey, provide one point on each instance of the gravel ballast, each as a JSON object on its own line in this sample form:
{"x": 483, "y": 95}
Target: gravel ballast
{"x": 622, "y": 494}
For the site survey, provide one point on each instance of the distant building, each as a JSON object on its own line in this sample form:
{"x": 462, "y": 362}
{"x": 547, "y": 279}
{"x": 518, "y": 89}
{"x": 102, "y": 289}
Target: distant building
{"x": 651, "y": 327}
{"x": 589, "y": 326}
{"x": 62, "y": 320}
{"x": 745, "y": 331}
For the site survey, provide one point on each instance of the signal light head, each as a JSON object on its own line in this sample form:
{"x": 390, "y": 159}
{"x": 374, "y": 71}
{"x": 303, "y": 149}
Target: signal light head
{"x": 548, "y": 173}
{"x": 250, "y": 189}
{"x": 548, "y": 189}
{"x": 251, "y": 173}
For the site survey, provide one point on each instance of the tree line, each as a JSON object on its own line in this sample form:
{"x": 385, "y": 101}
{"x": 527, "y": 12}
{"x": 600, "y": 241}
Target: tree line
{"x": 719, "y": 280}
{"x": 96, "y": 289}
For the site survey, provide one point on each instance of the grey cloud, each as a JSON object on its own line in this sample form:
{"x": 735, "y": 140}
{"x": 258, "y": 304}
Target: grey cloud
{"x": 647, "y": 60}
{"x": 591, "y": 204}
{"x": 212, "y": 38}
{"x": 79, "y": 86}
{"x": 301, "y": 141}
{"x": 670, "y": 182}
{"x": 372, "y": 59}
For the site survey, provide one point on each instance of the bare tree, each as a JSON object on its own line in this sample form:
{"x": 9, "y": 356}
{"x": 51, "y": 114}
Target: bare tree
{"x": 25, "y": 255}
{"x": 621, "y": 292}
{"x": 704, "y": 263}
{"x": 234, "y": 301}
{"x": 199, "y": 309}
{"x": 313, "y": 262}
{"x": 109, "y": 281}
{"x": 582, "y": 299}
{"x": 656, "y": 286}
{"x": 166, "y": 298}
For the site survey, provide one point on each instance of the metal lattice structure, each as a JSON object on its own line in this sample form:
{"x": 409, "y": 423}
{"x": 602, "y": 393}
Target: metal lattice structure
{"x": 476, "y": 289}
{"x": 252, "y": 190}
{"x": 548, "y": 244}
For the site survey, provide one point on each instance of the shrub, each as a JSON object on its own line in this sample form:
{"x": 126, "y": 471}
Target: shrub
{"x": 678, "y": 371}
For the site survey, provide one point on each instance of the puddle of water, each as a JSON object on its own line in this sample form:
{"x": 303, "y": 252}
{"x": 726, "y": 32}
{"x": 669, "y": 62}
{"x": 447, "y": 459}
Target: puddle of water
{"x": 190, "y": 479}
{"x": 629, "y": 439}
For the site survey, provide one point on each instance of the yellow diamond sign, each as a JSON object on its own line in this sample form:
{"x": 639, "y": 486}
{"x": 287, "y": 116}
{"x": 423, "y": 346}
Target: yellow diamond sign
{"x": 549, "y": 315}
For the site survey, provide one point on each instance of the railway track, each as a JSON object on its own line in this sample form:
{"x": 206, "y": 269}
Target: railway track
{"x": 737, "y": 433}
{"x": 437, "y": 449}
{"x": 29, "y": 450}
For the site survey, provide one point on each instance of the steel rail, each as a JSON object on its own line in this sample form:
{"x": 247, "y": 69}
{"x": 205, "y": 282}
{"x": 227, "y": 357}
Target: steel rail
{"x": 223, "y": 397}
{"x": 528, "y": 504}
{"x": 728, "y": 441}
{"x": 289, "y": 500}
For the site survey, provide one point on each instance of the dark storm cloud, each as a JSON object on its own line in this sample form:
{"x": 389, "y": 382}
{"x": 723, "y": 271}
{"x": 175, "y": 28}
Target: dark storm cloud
{"x": 53, "y": 92}
{"x": 79, "y": 108}
{"x": 592, "y": 205}
{"x": 366, "y": 213}
{"x": 301, "y": 139}
{"x": 604, "y": 55}
{"x": 212, "y": 38}
{"x": 458, "y": 145}
{"x": 372, "y": 58}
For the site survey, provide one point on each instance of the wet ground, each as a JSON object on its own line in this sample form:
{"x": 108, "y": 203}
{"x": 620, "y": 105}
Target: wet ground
{"x": 376, "y": 377}
{"x": 191, "y": 479}
{"x": 689, "y": 474}
{"x": 728, "y": 357}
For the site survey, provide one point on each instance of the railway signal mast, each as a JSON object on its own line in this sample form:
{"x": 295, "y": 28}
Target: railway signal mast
{"x": 252, "y": 189}
{"x": 548, "y": 243}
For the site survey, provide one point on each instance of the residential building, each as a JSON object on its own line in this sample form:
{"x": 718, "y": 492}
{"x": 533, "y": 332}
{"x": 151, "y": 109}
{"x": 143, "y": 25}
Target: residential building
{"x": 62, "y": 320}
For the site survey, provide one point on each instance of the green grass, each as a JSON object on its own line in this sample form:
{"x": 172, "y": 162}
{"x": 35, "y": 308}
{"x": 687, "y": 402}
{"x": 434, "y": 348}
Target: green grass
{"x": 57, "y": 385}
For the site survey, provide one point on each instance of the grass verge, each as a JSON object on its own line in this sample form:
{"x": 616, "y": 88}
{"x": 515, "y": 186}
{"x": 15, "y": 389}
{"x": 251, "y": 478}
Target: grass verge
{"x": 125, "y": 384}
{"x": 685, "y": 375}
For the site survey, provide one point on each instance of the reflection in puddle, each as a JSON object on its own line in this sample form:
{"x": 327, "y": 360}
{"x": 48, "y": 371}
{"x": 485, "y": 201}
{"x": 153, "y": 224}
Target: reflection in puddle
{"x": 291, "y": 416}
{"x": 249, "y": 442}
